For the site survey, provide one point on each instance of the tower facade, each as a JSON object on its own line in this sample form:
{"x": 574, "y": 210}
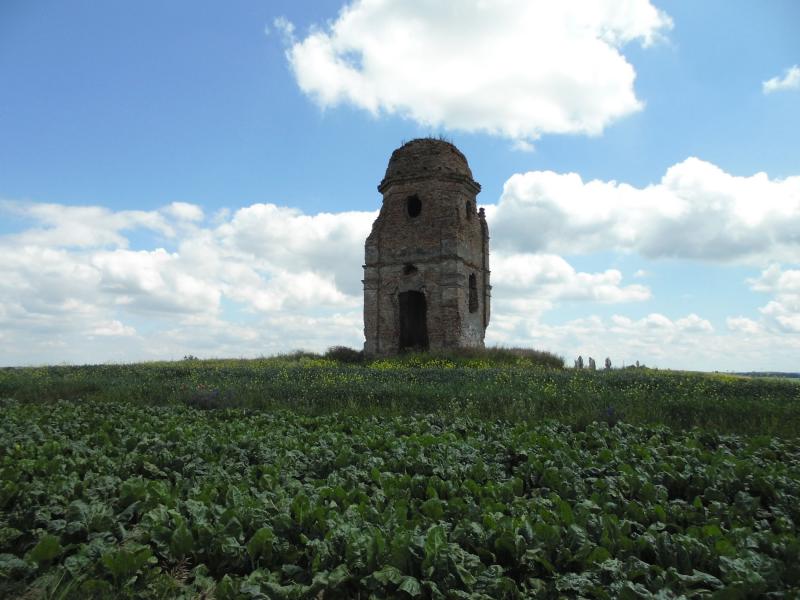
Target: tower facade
{"x": 426, "y": 271}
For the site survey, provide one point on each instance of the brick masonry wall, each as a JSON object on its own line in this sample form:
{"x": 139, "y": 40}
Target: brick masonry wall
{"x": 446, "y": 243}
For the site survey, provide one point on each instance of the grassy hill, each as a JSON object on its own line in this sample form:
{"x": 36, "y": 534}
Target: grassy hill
{"x": 482, "y": 476}
{"x": 491, "y": 385}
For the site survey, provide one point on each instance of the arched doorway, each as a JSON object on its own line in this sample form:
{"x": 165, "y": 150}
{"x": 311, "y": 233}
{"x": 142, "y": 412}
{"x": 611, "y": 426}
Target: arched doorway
{"x": 413, "y": 321}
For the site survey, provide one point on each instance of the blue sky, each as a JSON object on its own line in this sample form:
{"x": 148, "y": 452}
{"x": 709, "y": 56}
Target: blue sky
{"x": 198, "y": 178}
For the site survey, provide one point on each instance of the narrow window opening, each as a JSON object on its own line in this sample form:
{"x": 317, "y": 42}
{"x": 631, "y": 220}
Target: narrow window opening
{"x": 468, "y": 208}
{"x": 409, "y": 269}
{"x": 413, "y": 206}
{"x": 473, "y": 293}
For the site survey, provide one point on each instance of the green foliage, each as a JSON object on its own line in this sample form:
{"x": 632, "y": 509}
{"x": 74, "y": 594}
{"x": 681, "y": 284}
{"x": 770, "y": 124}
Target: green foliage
{"x": 46, "y": 550}
{"x": 122, "y": 563}
{"x": 481, "y": 474}
{"x": 343, "y": 354}
{"x": 496, "y": 356}
{"x": 260, "y": 545}
{"x": 122, "y": 499}
{"x": 522, "y": 355}
{"x": 503, "y": 386}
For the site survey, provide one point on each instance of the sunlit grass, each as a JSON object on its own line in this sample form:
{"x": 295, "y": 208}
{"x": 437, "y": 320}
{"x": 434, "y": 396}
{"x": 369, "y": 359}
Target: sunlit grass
{"x": 495, "y": 385}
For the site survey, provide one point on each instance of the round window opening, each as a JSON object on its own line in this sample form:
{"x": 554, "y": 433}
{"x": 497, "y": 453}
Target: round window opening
{"x": 414, "y": 206}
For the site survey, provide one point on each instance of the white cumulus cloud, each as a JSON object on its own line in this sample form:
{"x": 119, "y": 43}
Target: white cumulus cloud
{"x": 789, "y": 81}
{"x": 516, "y": 68}
{"x": 292, "y": 280}
{"x": 783, "y": 312}
{"x": 184, "y": 211}
{"x": 696, "y": 211}
{"x": 70, "y": 285}
{"x": 154, "y": 281}
{"x": 743, "y": 324}
{"x": 534, "y": 283}
{"x": 57, "y": 225}
{"x": 268, "y": 278}
{"x": 271, "y": 236}
{"x": 113, "y": 328}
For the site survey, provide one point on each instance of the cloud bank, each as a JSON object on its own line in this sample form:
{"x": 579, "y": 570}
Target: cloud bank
{"x": 76, "y": 285}
{"x": 783, "y": 312}
{"x": 697, "y": 212}
{"x": 269, "y": 276}
{"x": 517, "y": 68}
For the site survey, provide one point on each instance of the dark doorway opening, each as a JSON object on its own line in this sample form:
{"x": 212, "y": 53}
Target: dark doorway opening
{"x": 413, "y": 321}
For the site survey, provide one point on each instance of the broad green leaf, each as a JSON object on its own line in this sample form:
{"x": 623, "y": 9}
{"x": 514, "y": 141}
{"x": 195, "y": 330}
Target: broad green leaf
{"x": 301, "y": 506}
{"x": 126, "y": 561}
{"x": 8, "y": 535}
{"x": 565, "y": 512}
{"x": 78, "y": 564}
{"x": 341, "y": 574}
{"x": 711, "y": 531}
{"x": 506, "y": 547}
{"x": 233, "y": 528}
{"x": 293, "y": 591}
{"x": 375, "y": 475}
{"x": 410, "y": 586}
{"x": 465, "y": 577}
{"x": 46, "y": 550}
{"x": 260, "y": 545}
{"x": 433, "y": 508}
{"x": 388, "y": 575}
{"x": 598, "y": 555}
{"x": 399, "y": 550}
{"x": 725, "y": 548}
{"x": 699, "y": 579}
{"x": 226, "y": 589}
{"x": 182, "y": 543}
{"x": 231, "y": 547}
{"x": 13, "y": 567}
{"x": 434, "y": 541}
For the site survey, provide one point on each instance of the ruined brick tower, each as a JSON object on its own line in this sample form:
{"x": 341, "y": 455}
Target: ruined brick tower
{"x": 426, "y": 277}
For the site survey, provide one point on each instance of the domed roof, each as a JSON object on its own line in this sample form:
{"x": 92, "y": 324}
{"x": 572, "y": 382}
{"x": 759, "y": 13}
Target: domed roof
{"x": 426, "y": 157}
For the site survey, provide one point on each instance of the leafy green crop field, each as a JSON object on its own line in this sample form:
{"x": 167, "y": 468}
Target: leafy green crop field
{"x": 423, "y": 478}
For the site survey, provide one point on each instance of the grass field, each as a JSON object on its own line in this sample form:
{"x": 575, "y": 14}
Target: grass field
{"x": 426, "y": 477}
